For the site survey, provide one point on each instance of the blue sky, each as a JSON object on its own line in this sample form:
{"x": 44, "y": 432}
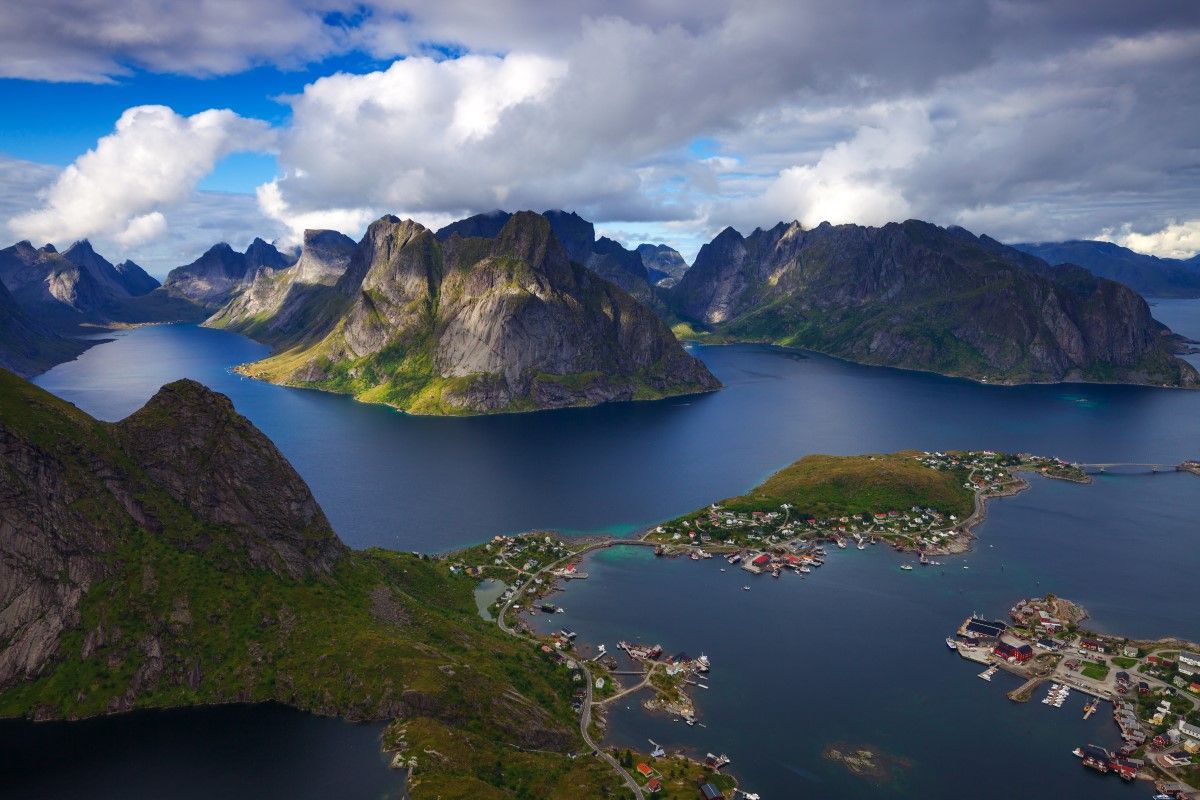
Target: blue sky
{"x": 660, "y": 122}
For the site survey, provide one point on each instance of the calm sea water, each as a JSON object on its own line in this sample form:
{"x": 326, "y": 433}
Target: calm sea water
{"x": 434, "y": 484}
{"x": 232, "y": 751}
{"x": 853, "y": 653}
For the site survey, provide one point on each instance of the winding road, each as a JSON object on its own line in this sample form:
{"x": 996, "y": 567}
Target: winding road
{"x": 585, "y": 718}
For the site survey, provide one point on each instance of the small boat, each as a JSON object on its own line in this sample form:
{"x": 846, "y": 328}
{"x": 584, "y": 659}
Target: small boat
{"x": 988, "y": 673}
{"x": 745, "y": 588}
{"x": 951, "y": 643}
{"x": 1077, "y": 752}
{"x": 906, "y": 566}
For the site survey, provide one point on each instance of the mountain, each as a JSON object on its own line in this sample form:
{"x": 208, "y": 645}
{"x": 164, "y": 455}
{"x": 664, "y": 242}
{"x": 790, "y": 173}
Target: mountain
{"x": 605, "y": 257}
{"x": 477, "y": 325}
{"x": 922, "y": 297}
{"x": 124, "y": 280}
{"x": 50, "y": 287}
{"x": 1147, "y": 275}
{"x": 64, "y": 291}
{"x": 175, "y": 558}
{"x": 26, "y": 346}
{"x": 664, "y": 263}
{"x": 212, "y": 279}
{"x": 279, "y": 305}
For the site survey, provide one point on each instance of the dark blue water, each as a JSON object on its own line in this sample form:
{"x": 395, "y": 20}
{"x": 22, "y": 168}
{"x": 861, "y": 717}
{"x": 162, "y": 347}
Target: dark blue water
{"x": 433, "y": 484}
{"x": 854, "y": 652}
{"x": 233, "y": 751}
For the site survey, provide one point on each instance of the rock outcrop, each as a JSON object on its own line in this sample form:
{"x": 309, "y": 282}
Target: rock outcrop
{"x": 477, "y": 325}
{"x": 186, "y": 469}
{"x": 922, "y": 297}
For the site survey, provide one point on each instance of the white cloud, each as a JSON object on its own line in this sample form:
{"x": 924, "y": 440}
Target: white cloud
{"x": 1176, "y": 240}
{"x": 853, "y": 181}
{"x": 144, "y": 228}
{"x": 1023, "y": 119}
{"x": 154, "y": 157}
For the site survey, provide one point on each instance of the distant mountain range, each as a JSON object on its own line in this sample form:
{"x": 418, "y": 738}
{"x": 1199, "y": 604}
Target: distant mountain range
{"x": 1148, "y": 275}
{"x": 215, "y": 277}
{"x": 922, "y": 297}
{"x": 499, "y": 319}
{"x": 457, "y": 321}
{"x": 664, "y": 263}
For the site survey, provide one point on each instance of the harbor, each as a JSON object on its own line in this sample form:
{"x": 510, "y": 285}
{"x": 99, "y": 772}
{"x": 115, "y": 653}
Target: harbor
{"x": 1152, "y": 687}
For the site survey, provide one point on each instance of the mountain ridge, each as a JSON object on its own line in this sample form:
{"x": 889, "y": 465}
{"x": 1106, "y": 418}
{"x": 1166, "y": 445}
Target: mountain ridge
{"x": 477, "y": 325}
{"x": 918, "y": 296}
{"x": 1146, "y": 274}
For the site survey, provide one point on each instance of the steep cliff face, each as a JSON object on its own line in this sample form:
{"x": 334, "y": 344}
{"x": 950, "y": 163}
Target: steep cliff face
{"x": 174, "y": 558}
{"x": 126, "y": 279}
{"x": 283, "y": 304}
{"x": 26, "y": 346}
{"x": 918, "y": 296}
{"x": 474, "y": 325}
{"x": 185, "y": 469}
{"x": 48, "y": 286}
{"x": 1149, "y": 275}
{"x": 212, "y": 279}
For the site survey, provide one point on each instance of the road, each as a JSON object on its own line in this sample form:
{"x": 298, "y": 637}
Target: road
{"x": 585, "y": 718}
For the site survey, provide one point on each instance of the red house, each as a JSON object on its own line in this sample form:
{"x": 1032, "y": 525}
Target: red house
{"x": 1009, "y": 652}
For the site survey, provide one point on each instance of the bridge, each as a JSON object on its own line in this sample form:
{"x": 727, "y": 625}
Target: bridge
{"x": 1128, "y": 465}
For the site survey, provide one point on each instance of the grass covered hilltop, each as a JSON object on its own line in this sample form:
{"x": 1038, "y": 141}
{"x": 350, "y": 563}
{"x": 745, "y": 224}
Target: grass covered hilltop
{"x": 912, "y": 500}
{"x": 140, "y": 569}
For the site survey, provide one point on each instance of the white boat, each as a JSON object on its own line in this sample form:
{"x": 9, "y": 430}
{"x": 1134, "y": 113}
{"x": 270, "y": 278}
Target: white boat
{"x": 953, "y": 645}
{"x": 906, "y": 566}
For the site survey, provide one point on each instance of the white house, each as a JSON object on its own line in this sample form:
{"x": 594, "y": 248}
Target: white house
{"x": 1189, "y": 663}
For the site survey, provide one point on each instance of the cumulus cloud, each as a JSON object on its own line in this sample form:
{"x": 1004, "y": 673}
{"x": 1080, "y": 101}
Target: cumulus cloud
{"x": 143, "y": 228}
{"x": 1023, "y": 118}
{"x": 154, "y": 156}
{"x": 1176, "y": 240}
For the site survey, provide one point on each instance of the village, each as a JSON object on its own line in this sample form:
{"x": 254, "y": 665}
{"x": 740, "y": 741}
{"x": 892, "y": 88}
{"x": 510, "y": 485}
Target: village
{"x": 774, "y": 540}
{"x": 1152, "y": 687}
{"x": 528, "y": 568}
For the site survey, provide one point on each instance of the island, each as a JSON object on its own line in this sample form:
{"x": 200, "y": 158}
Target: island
{"x": 916, "y": 501}
{"x": 1151, "y": 686}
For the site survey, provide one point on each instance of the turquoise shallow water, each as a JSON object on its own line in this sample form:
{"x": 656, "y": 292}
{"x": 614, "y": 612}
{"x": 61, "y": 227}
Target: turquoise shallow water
{"x": 854, "y": 653}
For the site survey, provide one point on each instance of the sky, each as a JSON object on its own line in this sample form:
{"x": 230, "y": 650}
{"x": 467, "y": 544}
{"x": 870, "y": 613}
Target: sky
{"x": 156, "y": 128}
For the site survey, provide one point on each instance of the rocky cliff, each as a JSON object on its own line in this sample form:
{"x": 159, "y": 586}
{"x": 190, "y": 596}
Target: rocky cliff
{"x": 212, "y": 279}
{"x": 126, "y": 279}
{"x": 918, "y": 296}
{"x": 186, "y": 469}
{"x": 175, "y": 558}
{"x": 281, "y": 305}
{"x": 1147, "y": 275}
{"x": 26, "y": 346}
{"x": 476, "y": 325}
